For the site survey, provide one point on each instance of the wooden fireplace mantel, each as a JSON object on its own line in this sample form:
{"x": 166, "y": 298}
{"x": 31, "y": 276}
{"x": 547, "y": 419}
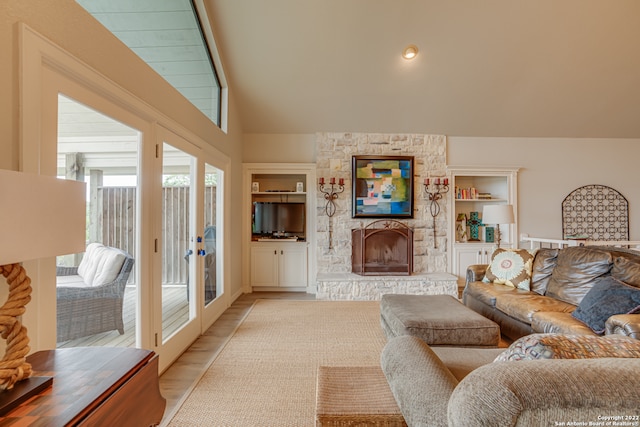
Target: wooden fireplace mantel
{"x": 93, "y": 386}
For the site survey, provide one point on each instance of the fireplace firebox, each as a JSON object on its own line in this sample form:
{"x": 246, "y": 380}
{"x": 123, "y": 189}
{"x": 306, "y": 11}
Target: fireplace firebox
{"x": 382, "y": 248}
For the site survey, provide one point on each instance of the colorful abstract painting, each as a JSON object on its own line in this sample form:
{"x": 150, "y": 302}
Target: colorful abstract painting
{"x": 382, "y": 186}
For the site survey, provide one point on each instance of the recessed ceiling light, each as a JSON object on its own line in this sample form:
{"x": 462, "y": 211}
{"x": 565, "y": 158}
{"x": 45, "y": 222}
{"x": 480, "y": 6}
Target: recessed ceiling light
{"x": 410, "y": 52}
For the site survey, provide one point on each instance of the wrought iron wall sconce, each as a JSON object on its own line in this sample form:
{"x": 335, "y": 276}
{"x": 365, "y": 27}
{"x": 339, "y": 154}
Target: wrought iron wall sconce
{"x": 331, "y": 191}
{"x": 435, "y": 188}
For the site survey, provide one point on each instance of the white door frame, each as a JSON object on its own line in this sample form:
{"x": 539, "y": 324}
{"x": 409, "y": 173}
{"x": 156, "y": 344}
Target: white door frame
{"x": 41, "y": 62}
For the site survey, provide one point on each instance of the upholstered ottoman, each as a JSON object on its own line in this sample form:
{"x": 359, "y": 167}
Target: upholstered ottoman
{"x": 355, "y": 396}
{"x": 439, "y": 320}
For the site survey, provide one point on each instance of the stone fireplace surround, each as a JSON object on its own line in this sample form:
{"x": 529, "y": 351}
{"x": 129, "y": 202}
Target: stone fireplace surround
{"x": 334, "y": 277}
{"x": 353, "y": 287}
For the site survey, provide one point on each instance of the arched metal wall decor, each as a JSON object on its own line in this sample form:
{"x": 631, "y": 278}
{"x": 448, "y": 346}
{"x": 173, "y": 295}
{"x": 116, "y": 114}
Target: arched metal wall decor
{"x": 595, "y": 212}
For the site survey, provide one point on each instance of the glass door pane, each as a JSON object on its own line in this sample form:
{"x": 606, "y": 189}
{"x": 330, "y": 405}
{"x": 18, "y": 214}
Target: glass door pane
{"x": 212, "y": 281}
{"x": 97, "y": 292}
{"x": 177, "y": 249}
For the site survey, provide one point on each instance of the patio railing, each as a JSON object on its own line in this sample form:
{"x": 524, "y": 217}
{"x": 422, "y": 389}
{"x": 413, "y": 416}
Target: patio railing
{"x": 116, "y": 225}
{"x": 540, "y": 242}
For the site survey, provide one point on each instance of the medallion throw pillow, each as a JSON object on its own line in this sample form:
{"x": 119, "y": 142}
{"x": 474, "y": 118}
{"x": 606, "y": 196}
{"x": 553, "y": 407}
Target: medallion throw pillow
{"x": 510, "y": 267}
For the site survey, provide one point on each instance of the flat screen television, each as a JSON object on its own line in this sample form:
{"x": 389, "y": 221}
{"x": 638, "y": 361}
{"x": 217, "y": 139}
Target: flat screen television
{"x": 278, "y": 219}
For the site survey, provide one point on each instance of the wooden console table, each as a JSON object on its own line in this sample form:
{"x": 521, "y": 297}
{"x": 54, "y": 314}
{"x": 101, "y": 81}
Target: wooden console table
{"x": 93, "y": 386}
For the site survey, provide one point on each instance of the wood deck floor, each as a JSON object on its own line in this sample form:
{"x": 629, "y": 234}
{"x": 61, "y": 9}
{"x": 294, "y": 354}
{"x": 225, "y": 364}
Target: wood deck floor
{"x": 175, "y": 312}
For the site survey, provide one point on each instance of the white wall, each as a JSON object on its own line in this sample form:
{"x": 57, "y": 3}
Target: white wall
{"x": 551, "y": 169}
{"x": 279, "y": 148}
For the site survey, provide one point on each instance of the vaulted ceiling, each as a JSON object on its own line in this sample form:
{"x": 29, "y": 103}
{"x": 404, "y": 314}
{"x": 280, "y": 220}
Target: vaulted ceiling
{"x": 521, "y": 68}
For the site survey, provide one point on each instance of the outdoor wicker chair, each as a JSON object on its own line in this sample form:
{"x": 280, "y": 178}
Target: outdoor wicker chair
{"x": 90, "y": 296}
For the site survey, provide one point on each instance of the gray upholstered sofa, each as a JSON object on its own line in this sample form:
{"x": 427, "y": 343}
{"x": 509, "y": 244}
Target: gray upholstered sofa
{"x": 462, "y": 387}
{"x": 90, "y": 296}
{"x": 560, "y": 280}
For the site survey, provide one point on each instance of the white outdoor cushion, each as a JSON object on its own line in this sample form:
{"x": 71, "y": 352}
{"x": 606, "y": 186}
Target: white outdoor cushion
{"x": 100, "y": 264}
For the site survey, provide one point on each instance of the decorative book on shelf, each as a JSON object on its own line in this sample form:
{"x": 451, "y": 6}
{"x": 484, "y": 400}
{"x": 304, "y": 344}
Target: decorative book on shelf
{"x": 470, "y": 193}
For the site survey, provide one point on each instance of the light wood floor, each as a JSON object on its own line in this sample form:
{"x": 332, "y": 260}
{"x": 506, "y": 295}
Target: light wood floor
{"x": 175, "y": 312}
{"x": 178, "y": 380}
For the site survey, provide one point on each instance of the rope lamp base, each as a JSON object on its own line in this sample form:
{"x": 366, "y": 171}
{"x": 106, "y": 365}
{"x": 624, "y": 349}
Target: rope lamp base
{"x": 15, "y": 384}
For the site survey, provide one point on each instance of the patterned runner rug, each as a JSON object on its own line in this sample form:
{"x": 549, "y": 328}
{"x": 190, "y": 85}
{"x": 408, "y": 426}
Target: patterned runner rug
{"x": 266, "y": 373}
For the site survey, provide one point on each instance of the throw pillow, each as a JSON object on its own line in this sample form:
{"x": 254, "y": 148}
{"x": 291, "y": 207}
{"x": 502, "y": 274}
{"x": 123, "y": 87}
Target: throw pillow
{"x": 626, "y": 271}
{"x": 607, "y": 297}
{"x": 511, "y": 267}
{"x": 559, "y": 346}
{"x": 543, "y": 264}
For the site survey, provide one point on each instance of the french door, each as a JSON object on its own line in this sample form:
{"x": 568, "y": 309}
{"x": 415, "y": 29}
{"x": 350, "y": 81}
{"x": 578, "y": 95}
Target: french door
{"x": 168, "y": 210}
{"x": 189, "y": 285}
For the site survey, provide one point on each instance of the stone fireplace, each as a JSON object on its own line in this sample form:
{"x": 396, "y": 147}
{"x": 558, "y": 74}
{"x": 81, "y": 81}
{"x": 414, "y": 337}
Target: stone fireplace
{"x": 423, "y": 272}
{"x": 382, "y": 248}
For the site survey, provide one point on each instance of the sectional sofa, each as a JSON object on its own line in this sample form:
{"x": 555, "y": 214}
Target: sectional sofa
{"x": 575, "y": 290}
{"x": 540, "y": 380}
{"x": 575, "y": 357}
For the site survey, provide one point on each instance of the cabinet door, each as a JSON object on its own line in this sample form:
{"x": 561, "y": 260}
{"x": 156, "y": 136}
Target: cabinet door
{"x": 464, "y": 258}
{"x": 264, "y": 266}
{"x": 473, "y": 254}
{"x": 293, "y": 265}
{"x": 484, "y": 254}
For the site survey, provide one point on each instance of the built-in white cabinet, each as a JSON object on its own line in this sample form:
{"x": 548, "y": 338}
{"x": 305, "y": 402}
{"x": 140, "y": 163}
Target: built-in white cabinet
{"x": 471, "y": 189}
{"x": 279, "y": 226}
{"x": 264, "y": 266}
{"x": 278, "y": 265}
{"x": 469, "y": 253}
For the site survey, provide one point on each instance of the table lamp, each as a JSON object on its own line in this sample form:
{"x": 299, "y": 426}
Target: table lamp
{"x": 41, "y": 216}
{"x": 497, "y": 214}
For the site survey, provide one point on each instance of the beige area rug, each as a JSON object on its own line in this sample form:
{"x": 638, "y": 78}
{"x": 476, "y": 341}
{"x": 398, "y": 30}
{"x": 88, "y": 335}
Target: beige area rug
{"x": 266, "y": 373}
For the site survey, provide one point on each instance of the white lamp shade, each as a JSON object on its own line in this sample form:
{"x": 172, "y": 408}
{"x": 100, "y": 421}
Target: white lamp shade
{"x": 497, "y": 214}
{"x": 41, "y": 216}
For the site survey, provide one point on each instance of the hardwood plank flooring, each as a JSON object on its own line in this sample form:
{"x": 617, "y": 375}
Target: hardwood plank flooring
{"x": 179, "y": 379}
{"x": 175, "y": 312}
